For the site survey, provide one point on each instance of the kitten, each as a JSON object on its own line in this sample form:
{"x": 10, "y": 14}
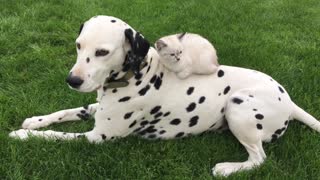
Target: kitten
{"x": 186, "y": 54}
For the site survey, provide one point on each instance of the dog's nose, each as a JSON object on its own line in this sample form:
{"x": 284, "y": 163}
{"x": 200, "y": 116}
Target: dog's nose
{"x": 74, "y": 81}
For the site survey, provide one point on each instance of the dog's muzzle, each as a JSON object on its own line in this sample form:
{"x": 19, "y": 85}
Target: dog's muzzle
{"x": 74, "y": 81}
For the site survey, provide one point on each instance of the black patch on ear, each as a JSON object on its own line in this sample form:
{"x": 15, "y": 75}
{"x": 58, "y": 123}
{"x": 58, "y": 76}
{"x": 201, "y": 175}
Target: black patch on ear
{"x": 81, "y": 27}
{"x": 139, "y": 49}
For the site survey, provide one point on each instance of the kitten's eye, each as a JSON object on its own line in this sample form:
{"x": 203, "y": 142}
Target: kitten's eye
{"x": 102, "y": 52}
{"x": 172, "y": 54}
{"x": 78, "y": 46}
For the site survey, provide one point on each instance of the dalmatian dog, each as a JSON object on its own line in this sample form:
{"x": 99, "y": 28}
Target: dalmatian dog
{"x": 156, "y": 104}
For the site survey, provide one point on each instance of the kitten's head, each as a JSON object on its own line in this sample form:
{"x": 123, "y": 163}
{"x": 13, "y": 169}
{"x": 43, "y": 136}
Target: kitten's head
{"x": 170, "y": 47}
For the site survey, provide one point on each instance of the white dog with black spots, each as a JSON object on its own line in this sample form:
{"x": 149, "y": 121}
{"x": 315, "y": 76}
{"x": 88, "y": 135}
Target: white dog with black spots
{"x": 156, "y": 104}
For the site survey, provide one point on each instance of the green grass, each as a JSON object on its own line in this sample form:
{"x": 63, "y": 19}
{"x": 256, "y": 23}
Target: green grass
{"x": 37, "y": 49}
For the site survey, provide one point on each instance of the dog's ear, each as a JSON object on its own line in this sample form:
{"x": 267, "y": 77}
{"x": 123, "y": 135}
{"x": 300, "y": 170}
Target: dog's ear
{"x": 81, "y": 27}
{"x": 139, "y": 49}
{"x": 160, "y": 44}
{"x": 180, "y": 36}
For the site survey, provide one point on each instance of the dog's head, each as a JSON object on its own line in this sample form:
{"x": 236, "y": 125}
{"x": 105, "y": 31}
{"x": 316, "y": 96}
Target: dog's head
{"x": 105, "y": 46}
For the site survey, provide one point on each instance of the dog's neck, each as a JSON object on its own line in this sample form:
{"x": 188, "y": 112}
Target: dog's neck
{"x": 122, "y": 78}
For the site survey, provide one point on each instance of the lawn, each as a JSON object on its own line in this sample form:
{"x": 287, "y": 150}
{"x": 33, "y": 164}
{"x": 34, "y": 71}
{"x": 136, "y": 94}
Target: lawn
{"x": 37, "y": 50}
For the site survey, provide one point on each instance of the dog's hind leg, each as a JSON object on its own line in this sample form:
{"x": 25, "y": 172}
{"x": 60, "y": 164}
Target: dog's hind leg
{"x": 81, "y": 113}
{"x": 254, "y": 116}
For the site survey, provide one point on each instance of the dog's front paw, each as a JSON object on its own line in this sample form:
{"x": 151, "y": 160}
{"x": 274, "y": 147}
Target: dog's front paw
{"x": 20, "y": 134}
{"x": 36, "y": 122}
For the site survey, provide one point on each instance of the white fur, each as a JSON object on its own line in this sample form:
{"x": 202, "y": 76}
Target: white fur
{"x": 248, "y": 99}
{"x": 192, "y": 54}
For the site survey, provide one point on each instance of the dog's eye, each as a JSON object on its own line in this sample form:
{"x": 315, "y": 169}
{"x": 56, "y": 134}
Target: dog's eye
{"x": 78, "y": 45}
{"x": 102, "y": 52}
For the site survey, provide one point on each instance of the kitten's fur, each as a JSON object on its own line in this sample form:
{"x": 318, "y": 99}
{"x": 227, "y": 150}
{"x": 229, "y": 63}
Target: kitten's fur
{"x": 187, "y": 53}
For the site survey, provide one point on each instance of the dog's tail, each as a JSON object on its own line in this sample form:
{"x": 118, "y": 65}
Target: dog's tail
{"x": 304, "y": 117}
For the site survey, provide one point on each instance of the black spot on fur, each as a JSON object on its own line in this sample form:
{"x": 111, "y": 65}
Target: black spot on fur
{"x": 220, "y": 73}
{"x": 255, "y": 109}
{"x": 138, "y": 83}
{"x": 193, "y": 121}
{"x": 132, "y": 124}
{"x": 143, "y": 123}
{"x": 104, "y": 88}
{"x": 113, "y": 21}
{"x": 259, "y": 126}
{"x": 237, "y": 100}
{"x": 128, "y": 115}
{"x": 278, "y": 131}
{"x": 86, "y": 106}
{"x": 150, "y": 129}
{"x": 166, "y": 114}
{"x": 158, "y": 115}
{"x": 138, "y": 76}
{"x": 175, "y": 121}
{"x": 286, "y": 122}
{"x": 259, "y": 116}
{"x": 162, "y": 132}
{"x": 161, "y": 75}
{"x": 222, "y": 110}
{"x": 251, "y": 96}
{"x": 152, "y": 136}
{"x": 88, "y": 59}
{"x": 144, "y": 90}
{"x": 84, "y": 116}
{"x": 280, "y": 89}
{"x": 83, "y": 111}
{"x": 103, "y": 136}
{"x": 153, "y": 79}
{"x": 124, "y": 99}
{"x": 226, "y": 90}
{"x": 279, "y": 98}
{"x": 155, "y": 121}
{"x": 219, "y": 94}
{"x": 190, "y": 90}
{"x": 40, "y": 119}
{"x": 148, "y": 69}
{"x": 158, "y": 83}
{"x": 201, "y": 100}
{"x": 191, "y": 107}
{"x": 114, "y": 90}
{"x": 60, "y": 119}
{"x": 155, "y": 109}
{"x": 180, "y": 134}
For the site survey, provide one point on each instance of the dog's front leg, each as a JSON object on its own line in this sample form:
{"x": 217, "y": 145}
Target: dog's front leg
{"x": 81, "y": 113}
{"x": 109, "y": 124}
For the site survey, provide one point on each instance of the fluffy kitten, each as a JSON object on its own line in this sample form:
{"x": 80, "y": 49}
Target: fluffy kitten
{"x": 187, "y": 53}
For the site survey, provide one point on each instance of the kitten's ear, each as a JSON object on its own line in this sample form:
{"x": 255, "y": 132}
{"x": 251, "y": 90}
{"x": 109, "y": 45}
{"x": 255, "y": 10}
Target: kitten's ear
{"x": 180, "y": 36}
{"x": 81, "y": 27}
{"x": 160, "y": 44}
